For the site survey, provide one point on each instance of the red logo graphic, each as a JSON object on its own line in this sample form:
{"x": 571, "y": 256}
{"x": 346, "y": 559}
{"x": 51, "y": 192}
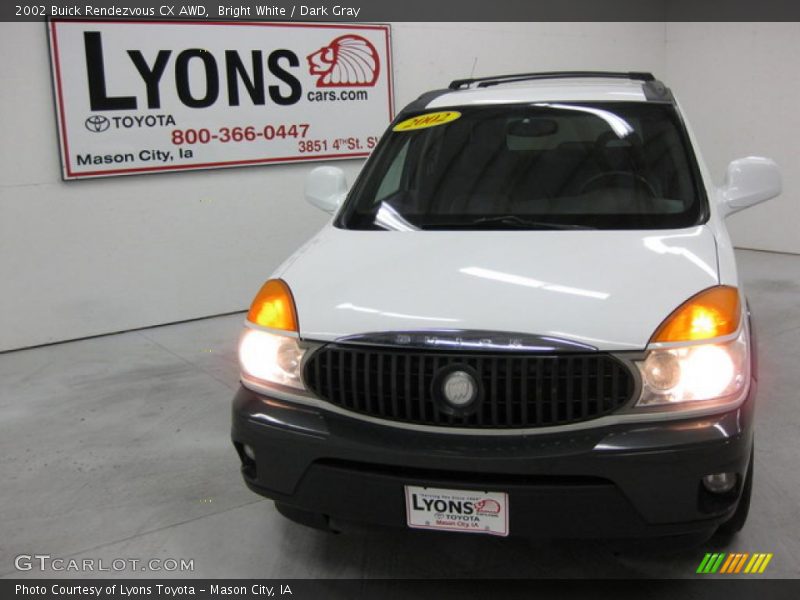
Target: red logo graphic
{"x": 348, "y": 61}
{"x": 488, "y": 506}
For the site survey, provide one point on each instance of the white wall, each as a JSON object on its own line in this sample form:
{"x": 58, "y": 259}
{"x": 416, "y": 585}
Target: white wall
{"x": 91, "y": 257}
{"x": 430, "y": 55}
{"x": 737, "y": 82}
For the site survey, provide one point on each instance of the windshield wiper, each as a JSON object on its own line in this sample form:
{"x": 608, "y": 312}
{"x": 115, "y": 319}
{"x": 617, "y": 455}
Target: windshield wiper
{"x": 510, "y": 221}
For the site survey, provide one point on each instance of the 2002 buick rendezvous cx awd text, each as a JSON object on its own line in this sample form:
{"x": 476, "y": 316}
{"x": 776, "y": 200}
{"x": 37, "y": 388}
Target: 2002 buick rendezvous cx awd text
{"x": 524, "y": 319}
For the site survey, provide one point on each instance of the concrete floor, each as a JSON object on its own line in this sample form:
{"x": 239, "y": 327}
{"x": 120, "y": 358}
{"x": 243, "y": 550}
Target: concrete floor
{"x": 117, "y": 447}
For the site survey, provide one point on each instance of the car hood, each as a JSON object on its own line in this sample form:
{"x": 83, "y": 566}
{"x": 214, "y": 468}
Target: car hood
{"x": 607, "y": 289}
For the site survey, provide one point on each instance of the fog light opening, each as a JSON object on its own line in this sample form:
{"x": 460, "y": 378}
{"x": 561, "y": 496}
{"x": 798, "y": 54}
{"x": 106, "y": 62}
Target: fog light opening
{"x": 719, "y": 483}
{"x": 249, "y": 452}
{"x": 248, "y": 458}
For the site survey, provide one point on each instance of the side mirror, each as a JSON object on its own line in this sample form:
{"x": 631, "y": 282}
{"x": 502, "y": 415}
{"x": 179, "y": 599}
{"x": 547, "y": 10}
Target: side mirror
{"x": 749, "y": 181}
{"x": 326, "y": 188}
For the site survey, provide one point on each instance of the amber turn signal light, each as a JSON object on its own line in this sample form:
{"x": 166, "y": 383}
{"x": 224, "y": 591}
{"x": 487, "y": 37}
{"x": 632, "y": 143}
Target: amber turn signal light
{"x": 273, "y": 307}
{"x": 712, "y": 313}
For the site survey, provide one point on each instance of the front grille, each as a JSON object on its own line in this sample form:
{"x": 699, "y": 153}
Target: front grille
{"x": 518, "y": 390}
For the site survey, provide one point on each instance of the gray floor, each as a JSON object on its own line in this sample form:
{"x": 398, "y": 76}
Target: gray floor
{"x": 117, "y": 447}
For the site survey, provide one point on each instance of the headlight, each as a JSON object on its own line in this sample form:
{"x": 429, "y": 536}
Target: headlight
{"x": 266, "y": 356}
{"x": 701, "y": 372}
{"x": 271, "y": 358}
{"x": 696, "y": 355}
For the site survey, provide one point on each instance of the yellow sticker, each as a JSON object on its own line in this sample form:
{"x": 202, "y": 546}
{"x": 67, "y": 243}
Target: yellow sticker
{"x": 427, "y": 120}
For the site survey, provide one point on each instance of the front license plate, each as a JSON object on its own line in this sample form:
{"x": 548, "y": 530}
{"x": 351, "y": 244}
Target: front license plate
{"x": 457, "y": 510}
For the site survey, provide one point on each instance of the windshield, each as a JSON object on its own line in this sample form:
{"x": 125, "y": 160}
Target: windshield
{"x": 621, "y": 165}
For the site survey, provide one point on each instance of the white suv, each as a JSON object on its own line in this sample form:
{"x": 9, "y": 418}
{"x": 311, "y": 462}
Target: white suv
{"x": 524, "y": 318}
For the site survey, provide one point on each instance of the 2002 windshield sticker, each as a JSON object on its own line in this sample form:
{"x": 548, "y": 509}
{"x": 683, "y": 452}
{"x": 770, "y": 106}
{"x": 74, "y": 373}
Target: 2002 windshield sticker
{"x": 424, "y": 121}
{"x": 257, "y": 133}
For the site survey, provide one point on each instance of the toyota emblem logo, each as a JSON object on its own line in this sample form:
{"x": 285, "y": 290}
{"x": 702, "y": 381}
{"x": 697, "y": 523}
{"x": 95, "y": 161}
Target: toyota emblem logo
{"x": 97, "y": 123}
{"x": 459, "y": 389}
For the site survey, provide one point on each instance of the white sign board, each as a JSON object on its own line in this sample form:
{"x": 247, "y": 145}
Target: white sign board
{"x": 148, "y": 97}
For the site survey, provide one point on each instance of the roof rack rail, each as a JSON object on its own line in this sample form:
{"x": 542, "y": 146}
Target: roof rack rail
{"x": 458, "y": 84}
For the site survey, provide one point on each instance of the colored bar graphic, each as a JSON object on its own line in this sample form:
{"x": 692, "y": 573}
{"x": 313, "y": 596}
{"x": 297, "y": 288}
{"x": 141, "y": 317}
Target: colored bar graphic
{"x": 741, "y": 562}
{"x": 718, "y": 563}
{"x": 711, "y": 563}
{"x": 735, "y": 561}
{"x": 756, "y": 564}
{"x": 766, "y": 562}
{"x": 731, "y": 560}
{"x": 704, "y": 563}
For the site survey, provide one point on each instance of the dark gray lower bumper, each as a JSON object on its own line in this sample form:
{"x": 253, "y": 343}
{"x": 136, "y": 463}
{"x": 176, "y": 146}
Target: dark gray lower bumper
{"x": 626, "y": 480}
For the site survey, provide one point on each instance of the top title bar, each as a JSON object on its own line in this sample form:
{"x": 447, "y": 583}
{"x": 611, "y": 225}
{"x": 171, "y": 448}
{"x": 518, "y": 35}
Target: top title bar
{"x": 354, "y": 11}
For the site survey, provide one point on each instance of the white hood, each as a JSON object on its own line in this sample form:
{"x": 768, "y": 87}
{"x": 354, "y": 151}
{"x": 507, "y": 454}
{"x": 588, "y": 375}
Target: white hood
{"x": 608, "y": 289}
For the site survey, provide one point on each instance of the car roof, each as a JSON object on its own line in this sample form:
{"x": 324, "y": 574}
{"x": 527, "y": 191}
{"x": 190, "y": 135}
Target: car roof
{"x": 558, "y": 86}
{"x": 544, "y": 91}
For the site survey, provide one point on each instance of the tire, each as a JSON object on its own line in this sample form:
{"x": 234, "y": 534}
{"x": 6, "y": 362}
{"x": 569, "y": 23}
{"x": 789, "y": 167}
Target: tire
{"x": 735, "y": 524}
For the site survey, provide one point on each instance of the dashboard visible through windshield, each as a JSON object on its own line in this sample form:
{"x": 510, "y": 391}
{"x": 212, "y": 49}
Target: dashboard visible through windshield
{"x": 603, "y": 165}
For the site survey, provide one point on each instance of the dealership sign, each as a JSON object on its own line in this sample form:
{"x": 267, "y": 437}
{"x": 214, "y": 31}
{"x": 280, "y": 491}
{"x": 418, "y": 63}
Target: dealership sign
{"x": 165, "y": 96}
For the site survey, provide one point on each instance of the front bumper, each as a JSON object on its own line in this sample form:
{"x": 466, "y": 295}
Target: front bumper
{"x": 627, "y": 480}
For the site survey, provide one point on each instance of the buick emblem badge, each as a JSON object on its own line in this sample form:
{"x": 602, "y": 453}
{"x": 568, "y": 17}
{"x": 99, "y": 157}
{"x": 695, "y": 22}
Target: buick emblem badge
{"x": 459, "y": 389}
